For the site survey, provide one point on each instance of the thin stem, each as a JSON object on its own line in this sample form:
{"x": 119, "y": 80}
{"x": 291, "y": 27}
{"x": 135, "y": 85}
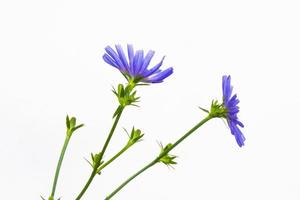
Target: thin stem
{"x": 186, "y": 135}
{"x": 131, "y": 178}
{"x": 113, "y": 158}
{"x": 61, "y": 157}
{"x": 94, "y": 172}
{"x": 156, "y": 160}
{"x": 110, "y": 134}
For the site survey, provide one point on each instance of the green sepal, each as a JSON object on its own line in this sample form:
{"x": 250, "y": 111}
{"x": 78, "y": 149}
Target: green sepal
{"x": 72, "y": 122}
{"x": 203, "y": 109}
{"x": 168, "y": 159}
{"x": 68, "y": 122}
{"x": 120, "y": 90}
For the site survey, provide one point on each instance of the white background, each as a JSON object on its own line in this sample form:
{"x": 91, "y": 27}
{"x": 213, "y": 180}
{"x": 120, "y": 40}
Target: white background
{"x": 51, "y": 65}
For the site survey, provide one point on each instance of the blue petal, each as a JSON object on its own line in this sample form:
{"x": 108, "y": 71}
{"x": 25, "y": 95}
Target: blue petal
{"x": 130, "y": 57}
{"x": 139, "y": 63}
{"x": 109, "y": 60}
{"x": 115, "y": 56}
{"x": 146, "y": 62}
{"x": 224, "y": 84}
{"x": 122, "y": 56}
{"x": 239, "y": 137}
{"x": 228, "y": 87}
{"x": 154, "y": 69}
{"x": 240, "y": 123}
{"x": 137, "y": 60}
{"x": 161, "y": 76}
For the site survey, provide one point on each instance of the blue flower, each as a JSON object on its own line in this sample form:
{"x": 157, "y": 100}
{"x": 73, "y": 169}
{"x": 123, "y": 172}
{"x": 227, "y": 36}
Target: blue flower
{"x": 230, "y": 102}
{"x": 135, "y": 68}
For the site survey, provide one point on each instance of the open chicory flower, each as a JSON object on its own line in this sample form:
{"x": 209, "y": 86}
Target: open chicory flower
{"x": 135, "y": 68}
{"x": 230, "y": 103}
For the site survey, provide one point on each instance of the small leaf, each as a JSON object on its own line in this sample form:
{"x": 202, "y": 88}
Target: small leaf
{"x": 42, "y": 198}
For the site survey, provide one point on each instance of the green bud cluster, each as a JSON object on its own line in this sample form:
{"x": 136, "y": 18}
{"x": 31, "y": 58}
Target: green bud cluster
{"x": 71, "y": 125}
{"x": 135, "y": 136}
{"x": 126, "y": 96}
{"x": 96, "y": 162}
{"x": 165, "y": 157}
{"x": 217, "y": 110}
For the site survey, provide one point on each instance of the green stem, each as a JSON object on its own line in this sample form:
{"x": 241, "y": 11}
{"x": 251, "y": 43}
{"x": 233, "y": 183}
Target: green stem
{"x": 131, "y": 178}
{"x": 156, "y": 160}
{"x": 110, "y": 134}
{"x": 186, "y": 135}
{"x": 94, "y": 172}
{"x": 113, "y": 158}
{"x": 61, "y": 157}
